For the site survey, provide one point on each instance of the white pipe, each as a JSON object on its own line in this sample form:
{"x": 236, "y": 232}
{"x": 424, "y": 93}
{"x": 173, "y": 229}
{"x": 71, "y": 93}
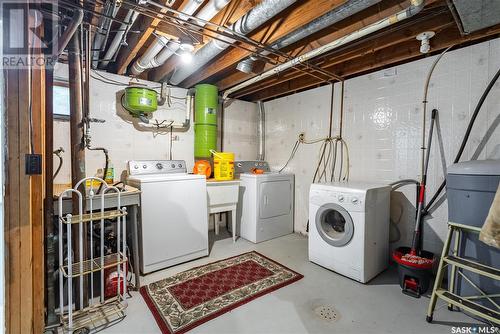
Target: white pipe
{"x": 261, "y": 130}
{"x": 206, "y": 14}
{"x": 176, "y": 125}
{"x": 144, "y": 62}
{"x": 414, "y": 8}
{"x": 141, "y": 64}
{"x": 117, "y": 40}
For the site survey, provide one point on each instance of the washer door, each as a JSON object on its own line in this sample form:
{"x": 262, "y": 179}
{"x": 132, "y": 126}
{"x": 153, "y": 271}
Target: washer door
{"x": 334, "y": 224}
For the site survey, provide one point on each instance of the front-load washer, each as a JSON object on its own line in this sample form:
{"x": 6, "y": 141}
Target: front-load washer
{"x": 173, "y": 224}
{"x": 266, "y": 202}
{"x": 349, "y": 228}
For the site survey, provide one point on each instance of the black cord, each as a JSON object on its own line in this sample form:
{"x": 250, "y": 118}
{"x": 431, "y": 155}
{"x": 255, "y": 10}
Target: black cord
{"x": 465, "y": 139}
{"x": 58, "y": 167}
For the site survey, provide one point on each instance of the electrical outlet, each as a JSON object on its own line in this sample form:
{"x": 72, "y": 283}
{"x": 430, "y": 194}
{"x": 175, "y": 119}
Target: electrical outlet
{"x": 302, "y": 136}
{"x": 175, "y": 138}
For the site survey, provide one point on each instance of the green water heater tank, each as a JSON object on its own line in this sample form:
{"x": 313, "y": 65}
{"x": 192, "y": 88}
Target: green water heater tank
{"x": 206, "y": 101}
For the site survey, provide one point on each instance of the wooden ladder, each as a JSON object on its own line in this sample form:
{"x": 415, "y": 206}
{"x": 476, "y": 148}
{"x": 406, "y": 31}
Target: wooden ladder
{"x": 466, "y": 303}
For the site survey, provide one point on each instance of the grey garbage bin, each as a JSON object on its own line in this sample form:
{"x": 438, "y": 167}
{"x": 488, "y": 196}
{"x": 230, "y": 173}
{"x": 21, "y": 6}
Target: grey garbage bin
{"x": 471, "y": 187}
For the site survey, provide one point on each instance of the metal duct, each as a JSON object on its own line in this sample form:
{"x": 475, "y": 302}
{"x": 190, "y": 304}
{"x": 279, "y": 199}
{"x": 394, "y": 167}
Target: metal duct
{"x": 337, "y": 14}
{"x": 144, "y": 62}
{"x": 76, "y": 20}
{"x": 477, "y": 15}
{"x": 414, "y": 8}
{"x": 102, "y": 33}
{"x": 250, "y": 21}
{"x": 261, "y": 132}
{"x": 207, "y": 13}
{"x": 119, "y": 37}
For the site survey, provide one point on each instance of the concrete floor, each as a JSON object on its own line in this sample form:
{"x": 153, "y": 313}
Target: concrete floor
{"x": 377, "y": 307}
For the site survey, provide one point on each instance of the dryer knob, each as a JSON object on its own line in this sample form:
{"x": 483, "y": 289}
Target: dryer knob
{"x": 354, "y": 200}
{"x": 341, "y": 198}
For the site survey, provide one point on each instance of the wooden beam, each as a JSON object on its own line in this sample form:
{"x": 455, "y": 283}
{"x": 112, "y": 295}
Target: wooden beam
{"x": 435, "y": 23}
{"x": 344, "y": 27}
{"x": 402, "y": 52}
{"x": 37, "y": 201}
{"x": 226, "y": 17}
{"x": 288, "y": 21}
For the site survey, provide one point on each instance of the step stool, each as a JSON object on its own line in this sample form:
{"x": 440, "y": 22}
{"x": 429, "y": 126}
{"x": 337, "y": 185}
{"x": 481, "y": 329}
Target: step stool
{"x": 466, "y": 303}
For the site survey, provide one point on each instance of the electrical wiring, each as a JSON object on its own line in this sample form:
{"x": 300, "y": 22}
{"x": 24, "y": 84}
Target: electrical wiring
{"x": 326, "y": 167}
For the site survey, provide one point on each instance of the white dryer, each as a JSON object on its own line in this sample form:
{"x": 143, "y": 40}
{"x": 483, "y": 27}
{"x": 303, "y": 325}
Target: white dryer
{"x": 173, "y": 224}
{"x": 265, "y": 207}
{"x": 349, "y": 228}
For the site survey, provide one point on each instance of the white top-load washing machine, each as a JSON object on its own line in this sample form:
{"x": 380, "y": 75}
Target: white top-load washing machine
{"x": 173, "y": 220}
{"x": 349, "y": 228}
{"x": 266, "y": 201}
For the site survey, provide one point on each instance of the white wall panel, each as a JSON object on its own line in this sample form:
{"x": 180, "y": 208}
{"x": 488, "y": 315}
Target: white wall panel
{"x": 383, "y": 124}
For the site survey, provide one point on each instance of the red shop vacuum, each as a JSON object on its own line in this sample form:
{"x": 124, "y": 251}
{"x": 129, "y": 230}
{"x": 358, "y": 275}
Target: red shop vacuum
{"x": 414, "y": 264}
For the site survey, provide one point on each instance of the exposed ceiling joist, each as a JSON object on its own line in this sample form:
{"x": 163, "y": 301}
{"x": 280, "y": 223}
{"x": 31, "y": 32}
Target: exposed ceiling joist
{"x": 406, "y": 32}
{"x": 293, "y": 19}
{"x": 345, "y": 27}
{"x": 227, "y": 16}
{"x": 385, "y": 57}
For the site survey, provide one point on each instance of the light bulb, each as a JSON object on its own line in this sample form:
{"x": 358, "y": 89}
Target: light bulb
{"x": 186, "y": 57}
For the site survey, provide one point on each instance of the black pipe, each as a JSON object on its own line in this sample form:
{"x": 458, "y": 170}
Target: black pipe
{"x": 106, "y": 164}
{"x": 465, "y": 139}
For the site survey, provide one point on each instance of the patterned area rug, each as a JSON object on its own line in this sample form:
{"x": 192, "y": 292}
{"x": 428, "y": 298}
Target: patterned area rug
{"x": 190, "y": 298}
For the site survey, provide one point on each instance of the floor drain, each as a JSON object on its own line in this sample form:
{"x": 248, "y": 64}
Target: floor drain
{"x": 327, "y": 313}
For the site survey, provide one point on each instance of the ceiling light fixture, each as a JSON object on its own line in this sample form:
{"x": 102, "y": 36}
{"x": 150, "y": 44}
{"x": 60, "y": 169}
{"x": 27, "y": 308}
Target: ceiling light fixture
{"x": 186, "y": 52}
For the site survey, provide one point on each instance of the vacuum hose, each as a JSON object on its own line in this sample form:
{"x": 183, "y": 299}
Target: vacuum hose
{"x": 465, "y": 139}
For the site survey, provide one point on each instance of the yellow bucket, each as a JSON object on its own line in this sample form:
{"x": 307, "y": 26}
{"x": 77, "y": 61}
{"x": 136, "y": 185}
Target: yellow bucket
{"x": 223, "y": 165}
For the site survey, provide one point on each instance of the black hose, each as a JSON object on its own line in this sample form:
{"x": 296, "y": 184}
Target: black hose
{"x": 59, "y": 166}
{"x": 465, "y": 139}
{"x": 106, "y": 165}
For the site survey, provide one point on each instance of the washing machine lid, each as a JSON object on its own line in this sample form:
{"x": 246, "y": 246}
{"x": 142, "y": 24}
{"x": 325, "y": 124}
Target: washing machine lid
{"x": 163, "y": 177}
{"x": 334, "y": 224}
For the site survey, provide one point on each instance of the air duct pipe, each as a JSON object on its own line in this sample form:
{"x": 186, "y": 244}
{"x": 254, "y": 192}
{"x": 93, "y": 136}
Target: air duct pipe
{"x": 144, "y": 62}
{"x": 76, "y": 20}
{"x": 250, "y": 21}
{"x": 102, "y": 33}
{"x": 206, "y": 14}
{"x": 414, "y": 8}
{"x": 261, "y": 131}
{"x": 119, "y": 37}
{"x": 337, "y": 14}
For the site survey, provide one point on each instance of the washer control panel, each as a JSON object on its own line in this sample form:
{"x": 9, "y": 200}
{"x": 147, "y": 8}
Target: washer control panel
{"x": 246, "y": 166}
{"x": 142, "y": 167}
{"x": 342, "y": 198}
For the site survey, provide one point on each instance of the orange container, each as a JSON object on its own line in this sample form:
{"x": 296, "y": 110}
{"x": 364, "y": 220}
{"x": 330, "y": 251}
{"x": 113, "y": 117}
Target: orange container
{"x": 202, "y": 167}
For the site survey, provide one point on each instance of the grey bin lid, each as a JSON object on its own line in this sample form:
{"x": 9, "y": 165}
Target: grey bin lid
{"x": 476, "y": 167}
